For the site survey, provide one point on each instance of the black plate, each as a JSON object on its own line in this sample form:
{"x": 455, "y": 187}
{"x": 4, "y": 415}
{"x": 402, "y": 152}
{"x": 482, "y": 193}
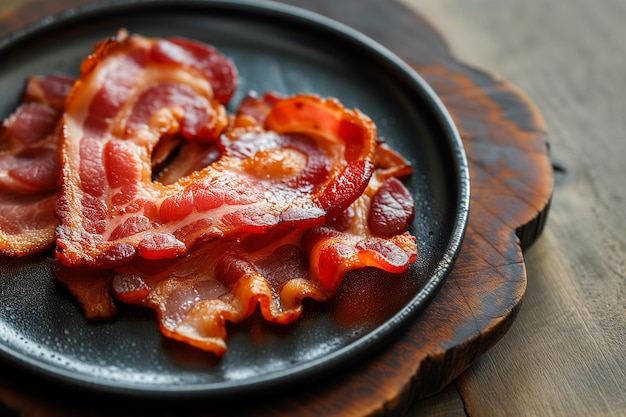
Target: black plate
{"x": 275, "y": 47}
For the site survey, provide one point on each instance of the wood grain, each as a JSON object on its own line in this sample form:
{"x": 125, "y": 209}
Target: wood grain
{"x": 512, "y": 184}
{"x": 565, "y": 355}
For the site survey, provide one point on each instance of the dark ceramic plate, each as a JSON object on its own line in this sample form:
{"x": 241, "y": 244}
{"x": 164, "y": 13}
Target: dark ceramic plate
{"x": 278, "y": 48}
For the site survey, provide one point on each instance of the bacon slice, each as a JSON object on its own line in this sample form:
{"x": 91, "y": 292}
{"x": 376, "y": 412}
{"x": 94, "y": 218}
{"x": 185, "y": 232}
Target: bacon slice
{"x": 194, "y": 296}
{"x": 91, "y": 287}
{"x": 309, "y": 158}
{"x": 30, "y": 167}
{"x": 224, "y": 281}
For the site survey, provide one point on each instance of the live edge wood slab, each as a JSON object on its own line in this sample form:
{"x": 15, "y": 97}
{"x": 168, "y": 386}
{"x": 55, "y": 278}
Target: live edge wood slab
{"x": 512, "y": 181}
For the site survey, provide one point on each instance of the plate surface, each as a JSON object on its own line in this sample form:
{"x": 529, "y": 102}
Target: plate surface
{"x": 279, "y": 48}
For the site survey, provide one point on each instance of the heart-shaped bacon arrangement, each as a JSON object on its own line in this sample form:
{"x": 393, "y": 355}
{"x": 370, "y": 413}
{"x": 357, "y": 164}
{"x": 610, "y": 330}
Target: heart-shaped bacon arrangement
{"x": 151, "y": 193}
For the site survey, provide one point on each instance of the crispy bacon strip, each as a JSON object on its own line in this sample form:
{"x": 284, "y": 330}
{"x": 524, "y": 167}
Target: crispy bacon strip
{"x": 311, "y": 156}
{"x": 224, "y": 281}
{"x": 194, "y": 296}
{"x": 30, "y": 167}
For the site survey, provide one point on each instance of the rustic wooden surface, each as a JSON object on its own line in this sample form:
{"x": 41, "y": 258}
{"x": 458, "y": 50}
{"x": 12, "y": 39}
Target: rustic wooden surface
{"x": 566, "y": 353}
{"x": 506, "y": 145}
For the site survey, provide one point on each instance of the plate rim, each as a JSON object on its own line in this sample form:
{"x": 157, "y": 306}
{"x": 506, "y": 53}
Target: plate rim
{"x": 315, "y": 368}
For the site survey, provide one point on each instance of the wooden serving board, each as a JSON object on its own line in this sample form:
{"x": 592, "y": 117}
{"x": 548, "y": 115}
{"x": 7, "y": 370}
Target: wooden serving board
{"x": 512, "y": 181}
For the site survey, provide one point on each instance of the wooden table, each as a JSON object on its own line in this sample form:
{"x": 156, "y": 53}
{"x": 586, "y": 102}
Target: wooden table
{"x": 565, "y": 353}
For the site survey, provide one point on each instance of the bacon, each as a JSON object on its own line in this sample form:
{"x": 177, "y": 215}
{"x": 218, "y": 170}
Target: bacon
{"x": 29, "y": 140}
{"x": 310, "y": 157}
{"x": 30, "y": 167}
{"x": 226, "y": 280}
{"x": 348, "y": 138}
{"x": 90, "y": 287}
{"x": 51, "y": 89}
{"x": 372, "y": 232}
{"x": 218, "y": 282}
{"x": 169, "y": 203}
